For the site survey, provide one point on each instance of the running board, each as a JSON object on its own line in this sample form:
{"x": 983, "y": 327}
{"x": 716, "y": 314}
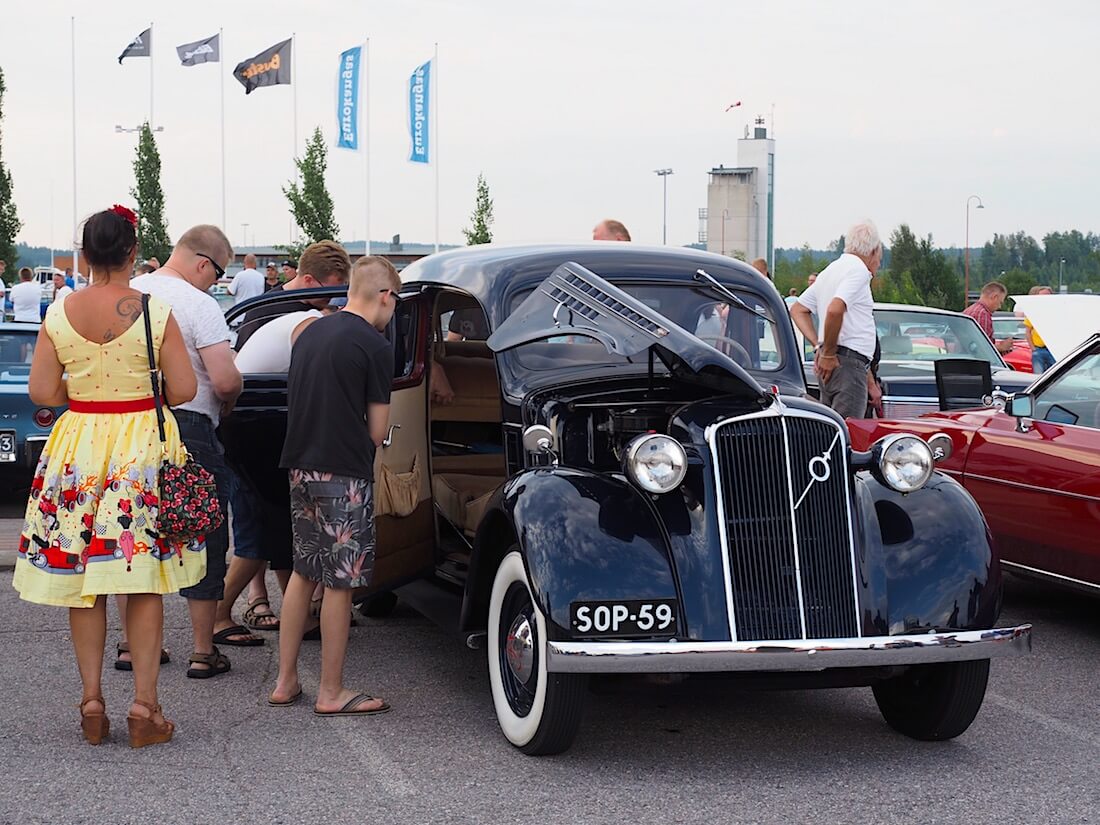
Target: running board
{"x": 439, "y": 605}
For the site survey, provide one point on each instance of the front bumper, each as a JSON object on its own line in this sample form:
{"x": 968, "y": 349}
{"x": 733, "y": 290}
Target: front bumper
{"x": 798, "y": 655}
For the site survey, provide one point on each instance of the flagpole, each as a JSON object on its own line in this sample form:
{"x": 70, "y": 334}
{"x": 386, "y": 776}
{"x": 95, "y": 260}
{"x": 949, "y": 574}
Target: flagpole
{"x": 364, "y": 90}
{"x": 150, "y": 74}
{"x": 435, "y": 121}
{"x": 221, "y": 82}
{"x": 294, "y": 85}
{"x": 72, "y": 52}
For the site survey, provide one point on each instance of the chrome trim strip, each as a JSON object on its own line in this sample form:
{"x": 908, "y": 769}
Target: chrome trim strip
{"x": 1046, "y": 574}
{"x": 36, "y": 438}
{"x": 1031, "y": 487}
{"x": 794, "y": 526}
{"x": 796, "y": 655}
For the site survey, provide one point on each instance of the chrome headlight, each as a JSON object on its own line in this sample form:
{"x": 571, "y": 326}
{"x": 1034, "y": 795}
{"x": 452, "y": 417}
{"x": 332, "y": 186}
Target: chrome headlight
{"x": 655, "y": 462}
{"x": 904, "y": 462}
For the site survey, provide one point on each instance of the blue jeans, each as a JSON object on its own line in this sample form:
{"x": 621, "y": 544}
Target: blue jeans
{"x": 246, "y": 520}
{"x": 1041, "y": 360}
{"x": 202, "y": 443}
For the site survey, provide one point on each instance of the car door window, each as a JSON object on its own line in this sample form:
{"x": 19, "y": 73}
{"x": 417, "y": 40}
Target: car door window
{"x": 1074, "y": 396}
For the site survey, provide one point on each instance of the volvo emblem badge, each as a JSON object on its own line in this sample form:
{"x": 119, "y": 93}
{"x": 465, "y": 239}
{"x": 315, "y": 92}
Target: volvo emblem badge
{"x": 820, "y": 469}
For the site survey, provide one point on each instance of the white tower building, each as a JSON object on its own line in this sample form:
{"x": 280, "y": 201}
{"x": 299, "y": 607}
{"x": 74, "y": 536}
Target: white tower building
{"x": 741, "y": 200}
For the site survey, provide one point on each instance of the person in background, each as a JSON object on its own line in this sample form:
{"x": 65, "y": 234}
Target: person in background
{"x": 290, "y": 271}
{"x": 845, "y": 342}
{"x": 792, "y": 296}
{"x": 26, "y": 298}
{"x": 271, "y": 278}
{"x": 3, "y": 285}
{"x": 154, "y": 262}
{"x": 1041, "y": 358}
{"x": 69, "y": 282}
{"x": 338, "y": 402}
{"x": 810, "y": 280}
{"x": 990, "y": 300}
{"x": 60, "y": 289}
{"x": 874, "y": 384}
{"x": 146, "y": 268}
{"x": 248, "y": 283}
{"x": 85, "y": 358}
{"x": 761, "y": 266}
{"x": 610, "y": 230}
{"x": 197, "y": 262}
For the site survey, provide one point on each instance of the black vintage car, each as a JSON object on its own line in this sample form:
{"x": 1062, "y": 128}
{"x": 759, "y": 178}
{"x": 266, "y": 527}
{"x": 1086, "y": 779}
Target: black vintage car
{"x": 630, "y": 479}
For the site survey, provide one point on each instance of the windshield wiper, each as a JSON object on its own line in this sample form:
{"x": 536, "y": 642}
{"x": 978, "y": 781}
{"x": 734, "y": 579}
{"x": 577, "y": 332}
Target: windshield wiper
{"x": 701, "y": 274}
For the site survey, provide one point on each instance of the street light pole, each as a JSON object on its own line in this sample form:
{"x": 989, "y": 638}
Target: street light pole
{"x": 1061, "y": 263}
{"x": 244, "y": 233}
{"x": 725, "y": 217}
{"x": 663, "y": 174}
{"x": 966, "y": 276}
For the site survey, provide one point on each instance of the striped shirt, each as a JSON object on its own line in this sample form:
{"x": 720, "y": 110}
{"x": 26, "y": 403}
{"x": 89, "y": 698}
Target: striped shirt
{"x": 983, "y": 316}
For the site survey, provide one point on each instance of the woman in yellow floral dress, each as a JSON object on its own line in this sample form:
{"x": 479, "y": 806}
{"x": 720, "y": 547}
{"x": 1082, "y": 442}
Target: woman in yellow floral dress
{"x": 90, "y": 527}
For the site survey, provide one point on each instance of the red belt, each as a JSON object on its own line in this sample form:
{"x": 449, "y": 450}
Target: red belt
{"x": 137, "y": 405}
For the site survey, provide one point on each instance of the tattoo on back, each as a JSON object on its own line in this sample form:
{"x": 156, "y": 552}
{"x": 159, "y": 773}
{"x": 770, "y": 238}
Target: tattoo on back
{"x": 129, "y": 307}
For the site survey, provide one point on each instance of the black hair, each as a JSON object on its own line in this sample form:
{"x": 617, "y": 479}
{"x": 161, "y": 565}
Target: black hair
{"x": 108, "y": 240}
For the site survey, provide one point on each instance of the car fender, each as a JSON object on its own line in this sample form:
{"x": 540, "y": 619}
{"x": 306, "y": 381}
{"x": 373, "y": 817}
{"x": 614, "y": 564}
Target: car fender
{"x": 929, "y": 558}
{"x": 583, "y": 536}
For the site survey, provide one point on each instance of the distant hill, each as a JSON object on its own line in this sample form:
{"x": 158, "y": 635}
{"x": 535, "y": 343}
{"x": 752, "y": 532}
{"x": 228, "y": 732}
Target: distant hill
{"x": 33, "y": 256}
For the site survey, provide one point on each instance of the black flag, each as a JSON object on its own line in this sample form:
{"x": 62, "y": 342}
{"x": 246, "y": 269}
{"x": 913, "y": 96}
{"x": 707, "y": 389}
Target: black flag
{"x": 140, "y": 46}
{"x": 270, "y": 67}
{"x": 201, "y": 51}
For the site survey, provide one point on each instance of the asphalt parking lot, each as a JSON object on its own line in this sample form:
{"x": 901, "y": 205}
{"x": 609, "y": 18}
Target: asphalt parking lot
{"x": 695, "y": 752}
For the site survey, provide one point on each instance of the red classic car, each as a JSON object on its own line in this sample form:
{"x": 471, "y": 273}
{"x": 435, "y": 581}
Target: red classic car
{"x": 1011, "y": 326}
{"x": 1032, "y": 462}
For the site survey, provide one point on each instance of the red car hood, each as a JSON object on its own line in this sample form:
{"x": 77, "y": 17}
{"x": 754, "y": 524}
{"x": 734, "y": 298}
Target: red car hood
{"x": 960, "y": 425}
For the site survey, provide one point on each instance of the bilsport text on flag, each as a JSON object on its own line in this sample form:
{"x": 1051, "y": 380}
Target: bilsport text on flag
{"x": 271, "y": 67}
{"x": 347, "y": 100}
{"x": 419, "y": 90}
{"x": 140, "y": 46}
{"x": 201, "y": 51}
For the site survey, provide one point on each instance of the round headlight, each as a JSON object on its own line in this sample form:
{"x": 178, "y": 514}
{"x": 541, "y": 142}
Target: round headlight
{"x": 656, "y": 463}
{"x": 904, "y": 462}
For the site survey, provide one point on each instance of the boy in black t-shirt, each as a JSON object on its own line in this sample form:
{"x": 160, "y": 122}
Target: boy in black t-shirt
{"x": 338, "y": 395}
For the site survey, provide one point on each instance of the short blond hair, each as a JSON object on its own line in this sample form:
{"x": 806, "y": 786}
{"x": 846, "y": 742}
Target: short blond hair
{"x": 324, "y": 260}
{"x": 617, "y": 229}
{"x": 994, "y": 288}
{"x": 371, "y": 275}
{"x": 206, "y": 239}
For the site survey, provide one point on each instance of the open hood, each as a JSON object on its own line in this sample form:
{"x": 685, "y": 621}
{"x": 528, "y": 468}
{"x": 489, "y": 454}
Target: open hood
{"x": 576, "y": 301}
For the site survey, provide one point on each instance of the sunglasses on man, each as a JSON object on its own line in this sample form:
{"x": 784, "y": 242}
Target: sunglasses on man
{"x": 217, "y": 267}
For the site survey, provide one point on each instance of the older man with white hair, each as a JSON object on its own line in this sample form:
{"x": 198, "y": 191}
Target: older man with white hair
{"x": 845, "y": 342}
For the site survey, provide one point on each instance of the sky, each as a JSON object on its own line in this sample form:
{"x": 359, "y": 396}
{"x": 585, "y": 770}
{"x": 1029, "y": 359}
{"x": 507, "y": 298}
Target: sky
{"x": 895, "y": 111}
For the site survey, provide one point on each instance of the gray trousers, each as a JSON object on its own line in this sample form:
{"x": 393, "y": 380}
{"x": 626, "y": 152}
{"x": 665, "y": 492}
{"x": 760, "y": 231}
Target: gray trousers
{"x": 846, "y": 389}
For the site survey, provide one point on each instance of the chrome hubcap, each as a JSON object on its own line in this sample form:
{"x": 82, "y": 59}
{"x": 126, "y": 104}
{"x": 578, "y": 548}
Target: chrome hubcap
{"x": 520, "y": 649}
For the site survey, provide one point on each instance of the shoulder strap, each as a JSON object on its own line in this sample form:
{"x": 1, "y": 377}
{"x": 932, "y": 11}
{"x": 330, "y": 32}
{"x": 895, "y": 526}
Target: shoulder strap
{"x": 153, "y": 376}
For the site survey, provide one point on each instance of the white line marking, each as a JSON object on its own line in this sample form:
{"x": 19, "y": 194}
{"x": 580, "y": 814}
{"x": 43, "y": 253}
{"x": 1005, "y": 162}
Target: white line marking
{"x": 1045, "y": 720}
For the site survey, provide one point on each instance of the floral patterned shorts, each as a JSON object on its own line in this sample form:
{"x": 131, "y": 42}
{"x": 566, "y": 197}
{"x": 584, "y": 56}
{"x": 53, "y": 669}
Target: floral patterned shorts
{"x": 333, "y": 521}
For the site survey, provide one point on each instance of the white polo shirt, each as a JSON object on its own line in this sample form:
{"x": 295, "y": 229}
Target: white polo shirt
{"x": 848, "y": 279}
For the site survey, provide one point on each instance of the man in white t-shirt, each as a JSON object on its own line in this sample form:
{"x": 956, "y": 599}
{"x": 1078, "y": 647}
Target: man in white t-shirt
{"x": 60, "y": 289}
{"x": 26, "y": 298}
{"x": 196, "y": 263}
{"x": 248, "y": 283}
{"x": 268, "y": 349}
{"x": 844, "y": 344}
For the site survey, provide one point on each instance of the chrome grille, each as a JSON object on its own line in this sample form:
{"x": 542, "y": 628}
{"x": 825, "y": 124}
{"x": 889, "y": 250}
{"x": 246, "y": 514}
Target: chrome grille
{"x": 785, "y": 508}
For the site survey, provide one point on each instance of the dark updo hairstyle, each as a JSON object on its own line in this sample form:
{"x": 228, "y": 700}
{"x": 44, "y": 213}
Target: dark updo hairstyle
{"x": 108, "y": 240}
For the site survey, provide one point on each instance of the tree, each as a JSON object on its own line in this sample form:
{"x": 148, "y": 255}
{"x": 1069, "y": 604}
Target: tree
{"x": 310, "y": 202}
{"x": 482, "y": 218}
{"x": 9, "y": 218}
{"x": 152, "y": 231}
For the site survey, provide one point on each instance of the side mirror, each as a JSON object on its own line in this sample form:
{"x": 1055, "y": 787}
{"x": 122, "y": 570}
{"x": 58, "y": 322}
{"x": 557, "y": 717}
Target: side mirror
{"x": 1019, "y": 406}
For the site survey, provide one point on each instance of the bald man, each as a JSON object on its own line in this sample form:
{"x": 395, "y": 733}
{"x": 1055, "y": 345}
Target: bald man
{"x": 248, "y": 283}
{"x": 610, "y": 230}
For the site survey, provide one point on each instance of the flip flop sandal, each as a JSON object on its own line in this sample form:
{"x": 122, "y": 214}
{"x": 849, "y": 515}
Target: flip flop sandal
{"x": 293, "y": 700}
{"x": 350, "y": 708}
{"x": 124, "y": 647}
{"x": 253, "y": 618}
{"x": 225, "y": 637}
{"x": 216, "y": 665}
{"x": 313, "y": 635}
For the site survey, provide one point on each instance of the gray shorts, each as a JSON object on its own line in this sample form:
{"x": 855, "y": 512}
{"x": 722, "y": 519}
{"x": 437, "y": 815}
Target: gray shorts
{"x": 333, "y": 523}
{"x": 846, "y": 389}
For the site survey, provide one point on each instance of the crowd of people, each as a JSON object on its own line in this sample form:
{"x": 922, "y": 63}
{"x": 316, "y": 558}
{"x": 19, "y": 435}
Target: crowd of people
{"x": 103, "y": 456}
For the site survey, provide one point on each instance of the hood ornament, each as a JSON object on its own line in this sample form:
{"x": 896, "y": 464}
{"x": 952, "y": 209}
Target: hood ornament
{"x": 820, "y": 469}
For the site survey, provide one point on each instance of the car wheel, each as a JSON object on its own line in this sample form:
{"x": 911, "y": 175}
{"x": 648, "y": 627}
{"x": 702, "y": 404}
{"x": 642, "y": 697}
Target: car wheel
{"x": 379, "y": 606}
{"x": 538, "y": 712}
{"x": 934, "y": 702}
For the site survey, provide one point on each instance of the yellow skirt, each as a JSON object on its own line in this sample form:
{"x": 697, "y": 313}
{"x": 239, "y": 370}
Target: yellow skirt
{"x": 90, "y": 525}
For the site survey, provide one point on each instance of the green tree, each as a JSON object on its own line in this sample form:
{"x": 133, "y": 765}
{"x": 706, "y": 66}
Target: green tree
{"x": 310, "y": 201}
{"x": 152, "y": 231}
{"x": 9, "y": 218}
{"x": 482, "y": 218}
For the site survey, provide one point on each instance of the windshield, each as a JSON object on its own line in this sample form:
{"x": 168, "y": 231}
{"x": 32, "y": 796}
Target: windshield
{"x": 913, "y": 341}
{"x": 750, "y": 340}
{"x": 16, "y": 354}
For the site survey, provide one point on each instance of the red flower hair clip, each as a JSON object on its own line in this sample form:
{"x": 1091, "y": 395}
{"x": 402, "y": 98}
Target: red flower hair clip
{"x": 128, "y": 214}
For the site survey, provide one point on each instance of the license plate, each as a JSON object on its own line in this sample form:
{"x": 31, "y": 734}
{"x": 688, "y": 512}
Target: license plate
{"x": 7, "y": 446}
{"x": 645, "y": 617}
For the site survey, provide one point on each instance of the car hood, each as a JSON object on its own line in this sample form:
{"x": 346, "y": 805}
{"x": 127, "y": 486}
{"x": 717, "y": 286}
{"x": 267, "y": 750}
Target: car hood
{"x": 1064, "y": 322}
{"x": 576, "y": 301}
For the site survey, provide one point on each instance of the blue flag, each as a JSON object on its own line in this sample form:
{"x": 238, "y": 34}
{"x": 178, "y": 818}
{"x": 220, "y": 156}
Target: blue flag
{"x": 347, "y": 103}
{"x": 419, "y": 87}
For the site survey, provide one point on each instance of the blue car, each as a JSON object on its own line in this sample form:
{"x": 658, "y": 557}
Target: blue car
{"x": 24, "y": 427}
